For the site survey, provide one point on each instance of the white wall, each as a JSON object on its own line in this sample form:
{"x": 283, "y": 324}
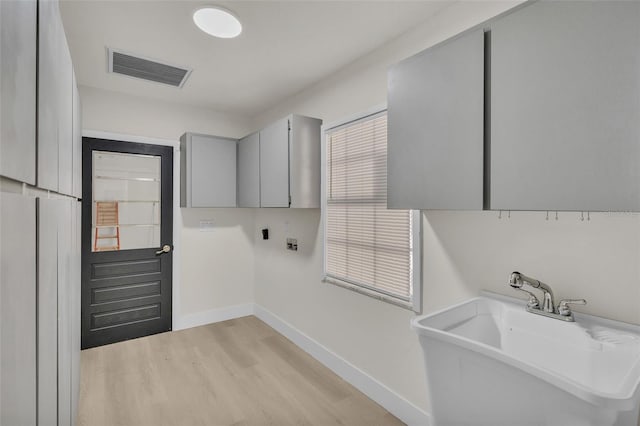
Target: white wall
{"x": 463, "y": 252}
{"x": 215, "y": 268}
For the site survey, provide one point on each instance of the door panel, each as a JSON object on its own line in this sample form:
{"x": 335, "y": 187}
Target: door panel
{"x": 18, "y": 310}
{"x": 249, "y": 171}
{"x": 75, "y": 310}
{"x": 18, "y": 90}
{"x": 64, "y": 314}
{"x": 274, "y": 165}
{"x": 48, "y": 218}
{"x": 127, "y": 218}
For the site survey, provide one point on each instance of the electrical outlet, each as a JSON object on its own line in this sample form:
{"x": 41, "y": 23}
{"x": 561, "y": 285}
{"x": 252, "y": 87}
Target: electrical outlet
{"x": 292, "y": 244}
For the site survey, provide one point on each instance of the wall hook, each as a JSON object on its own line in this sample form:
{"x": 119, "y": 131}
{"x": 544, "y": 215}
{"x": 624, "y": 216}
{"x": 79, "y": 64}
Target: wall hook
{"x": 547, "y": 215}
{"x": 500, "y": 214}
{"x": 582, "y": 216}
{"x": 556, "y": 215}
{"x": 588, "y": 215}
{"x": 509, "y": 215}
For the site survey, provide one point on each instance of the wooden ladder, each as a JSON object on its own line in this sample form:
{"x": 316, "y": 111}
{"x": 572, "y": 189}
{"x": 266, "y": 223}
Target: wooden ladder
{"x": 107, "y": 217}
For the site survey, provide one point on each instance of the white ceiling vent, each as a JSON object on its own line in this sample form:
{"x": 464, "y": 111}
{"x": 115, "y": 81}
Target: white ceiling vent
{"x": 146, "y": 69}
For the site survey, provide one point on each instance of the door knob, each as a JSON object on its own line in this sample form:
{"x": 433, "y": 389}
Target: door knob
{"x": 165, "y": 249}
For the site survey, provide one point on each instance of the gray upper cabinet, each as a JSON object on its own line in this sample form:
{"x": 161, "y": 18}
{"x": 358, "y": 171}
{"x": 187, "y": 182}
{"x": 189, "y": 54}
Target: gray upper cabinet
{"x": 274, "y": 164}
{"x": 248, "y": 171}
{"x": 55, "y": 168}
{"x": 290, "y": 163}
{"x": 435, "y": 127}
{"x": 18, "y": 20}
{"x": 50, "y": 32}
{"x": 565, "y": 102}
{"x": 18, "y": 310}
{"x": 65, "y": 119}
{"x": 77, "y": 141}
{"x": 207, "y": 171}
{"x": 304, "y": 161}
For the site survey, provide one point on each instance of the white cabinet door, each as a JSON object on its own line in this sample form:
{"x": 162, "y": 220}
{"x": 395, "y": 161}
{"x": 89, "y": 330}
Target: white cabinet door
{"x": 64, "y": 312}
{"x": 50, "y": 31}
{"x": 208, "y": 174}
{"x": 65, "y": 117}
{"x": 274, "y": 164}
{"x": 565, "y": 102}
{"x": 435, "y": 128}
{"x": 75, "y": 310}
{"x": 48, "y": 218}
{"x": 18, "y": 27}
{"x": 249, "y": 171}
{"x": 77, "y": 141}
{"x": 17, "y": 310}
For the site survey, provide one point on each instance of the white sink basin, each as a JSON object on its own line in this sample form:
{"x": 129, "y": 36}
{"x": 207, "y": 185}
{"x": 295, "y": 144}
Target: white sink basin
{"x": 489, "y": 362}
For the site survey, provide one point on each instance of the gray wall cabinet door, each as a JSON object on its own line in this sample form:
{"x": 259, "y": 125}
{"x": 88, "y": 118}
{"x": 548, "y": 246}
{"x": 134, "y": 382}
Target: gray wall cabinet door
{"x": 17, "y": 310}
{"x": 249, "y": 171}
{"x": 435, "y": 129}
{"x": 304, "y": 161}
{"x": 274, "y": 164}
{"x": 565, "y": 102}
{"x": 50, "y": 32}
{"x": 210, "y": 171}
{"x": 77, "y": 141}
{"x": 48, "y": 218}
{"x": 65, "y": 117}
{"x": 75, "y": 310}
{"x": 64, "y": 313}
{"x": 18, "y": 26}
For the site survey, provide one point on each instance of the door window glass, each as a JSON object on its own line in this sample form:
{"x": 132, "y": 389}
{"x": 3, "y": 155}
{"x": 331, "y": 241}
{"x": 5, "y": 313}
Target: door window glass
{"x": 126, "y": 201}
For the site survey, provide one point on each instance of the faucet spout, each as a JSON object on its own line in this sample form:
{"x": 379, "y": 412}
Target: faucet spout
{"x": 517, "y": 280}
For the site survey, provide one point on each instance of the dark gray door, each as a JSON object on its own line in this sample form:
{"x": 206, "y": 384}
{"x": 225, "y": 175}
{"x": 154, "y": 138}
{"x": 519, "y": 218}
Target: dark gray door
{"x": 127, "y": 228}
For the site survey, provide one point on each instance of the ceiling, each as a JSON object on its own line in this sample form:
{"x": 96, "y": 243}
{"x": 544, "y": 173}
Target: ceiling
{"x": 285, "y": 46}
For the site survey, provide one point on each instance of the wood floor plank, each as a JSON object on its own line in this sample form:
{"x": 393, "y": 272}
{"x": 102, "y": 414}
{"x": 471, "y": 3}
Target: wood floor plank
{"x": 237, "y": 372}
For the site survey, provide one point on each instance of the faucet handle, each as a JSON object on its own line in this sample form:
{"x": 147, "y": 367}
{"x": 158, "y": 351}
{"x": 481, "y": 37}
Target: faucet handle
{"x": 563, "y": 306}
{"x": 533, "y": 302}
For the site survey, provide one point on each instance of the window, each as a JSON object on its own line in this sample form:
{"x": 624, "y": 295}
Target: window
{"x": 368, "y": 248}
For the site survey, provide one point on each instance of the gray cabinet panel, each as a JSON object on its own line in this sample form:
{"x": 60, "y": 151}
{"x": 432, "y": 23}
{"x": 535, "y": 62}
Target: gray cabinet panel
{"x": 274, "y": 164}
{"x": 565, "y": 102}
{"x": 18, "y": 90}
{"x": 249, "y": 171}
{"x": 77, "y": 141}
{"x": 75, "y": 310}
{"x": 64, "y": 313}
{"x": 435, "y": 128}
{"x": 50, "y": 31}
{"x": 17, "y": 310}
{"x": 48, "y": 218}
{"x": 65, "y": 117}
{"x": 304, "y": 162}
{"x": 210, "y": 171}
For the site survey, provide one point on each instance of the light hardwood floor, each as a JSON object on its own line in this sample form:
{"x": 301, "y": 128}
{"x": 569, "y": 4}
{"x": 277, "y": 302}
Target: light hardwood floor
{"x": 237, "y": 372}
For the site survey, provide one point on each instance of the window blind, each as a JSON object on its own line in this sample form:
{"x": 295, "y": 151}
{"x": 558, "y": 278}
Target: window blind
{"x": 366, "y": 245}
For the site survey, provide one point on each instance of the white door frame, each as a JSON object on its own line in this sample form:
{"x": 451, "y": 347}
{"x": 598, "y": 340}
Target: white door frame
{"x": 177, "y": 213}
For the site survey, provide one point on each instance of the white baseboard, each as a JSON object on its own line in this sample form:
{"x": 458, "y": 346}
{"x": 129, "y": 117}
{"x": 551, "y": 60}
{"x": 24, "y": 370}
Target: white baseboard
{"x": 213, "y": 315}
{"x": 391, "y": 401}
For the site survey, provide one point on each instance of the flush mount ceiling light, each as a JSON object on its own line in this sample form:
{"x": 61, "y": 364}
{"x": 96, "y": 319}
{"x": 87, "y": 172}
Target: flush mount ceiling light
{"x": 217, "y": 22}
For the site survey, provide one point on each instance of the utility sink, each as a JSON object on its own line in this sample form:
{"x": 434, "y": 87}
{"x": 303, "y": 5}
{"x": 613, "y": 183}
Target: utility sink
{"x": 490, "y": 362}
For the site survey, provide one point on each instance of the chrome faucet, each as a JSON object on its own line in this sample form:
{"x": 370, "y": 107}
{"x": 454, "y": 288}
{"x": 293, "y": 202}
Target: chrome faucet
{"x": 518, "y": 280}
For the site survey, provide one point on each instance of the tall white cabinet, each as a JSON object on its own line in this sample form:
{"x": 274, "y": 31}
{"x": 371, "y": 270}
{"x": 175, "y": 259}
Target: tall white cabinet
{"x": 39, "y": 221}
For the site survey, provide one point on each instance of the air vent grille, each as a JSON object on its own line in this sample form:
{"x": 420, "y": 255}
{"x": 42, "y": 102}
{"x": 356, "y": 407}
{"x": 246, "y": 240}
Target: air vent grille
{"x": 146, "y": 69}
